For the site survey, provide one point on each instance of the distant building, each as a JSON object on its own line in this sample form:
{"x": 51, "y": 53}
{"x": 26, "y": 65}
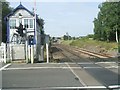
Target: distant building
{"x": 0, "y": 22}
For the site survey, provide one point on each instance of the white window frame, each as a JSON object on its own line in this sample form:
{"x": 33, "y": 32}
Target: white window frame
{"x": 10, "y": 22}
{"x": 28, "y": 23}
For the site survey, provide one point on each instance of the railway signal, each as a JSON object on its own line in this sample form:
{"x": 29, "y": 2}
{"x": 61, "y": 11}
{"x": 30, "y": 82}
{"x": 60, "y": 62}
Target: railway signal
{"x": 20, "y": 30}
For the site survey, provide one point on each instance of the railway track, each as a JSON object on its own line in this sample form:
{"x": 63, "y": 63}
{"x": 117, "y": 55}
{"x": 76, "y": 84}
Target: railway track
{"x": 66, "y": 55}
{"x": 87, "y": 65}
{"x": 83, "y": 51}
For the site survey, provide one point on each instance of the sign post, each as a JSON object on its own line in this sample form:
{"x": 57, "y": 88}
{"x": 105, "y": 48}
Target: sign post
{"x": 31, "y": 43}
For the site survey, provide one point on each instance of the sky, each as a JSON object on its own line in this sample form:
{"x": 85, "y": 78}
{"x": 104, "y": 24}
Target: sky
{"x": 69, "y": 16}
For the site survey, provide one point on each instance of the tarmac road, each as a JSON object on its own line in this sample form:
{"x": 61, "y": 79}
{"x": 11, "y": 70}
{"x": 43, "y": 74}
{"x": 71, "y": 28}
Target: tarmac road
{"x": 42, "y": 76}
{"x": 102, "y": 74}
{"x": 38, "y": 78}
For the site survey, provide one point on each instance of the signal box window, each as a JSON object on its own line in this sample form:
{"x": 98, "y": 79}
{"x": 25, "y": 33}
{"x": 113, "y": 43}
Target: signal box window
{"x": 12, "y": 24}
{"x": 31, "y": 23}
{"x": 28, "y": 23}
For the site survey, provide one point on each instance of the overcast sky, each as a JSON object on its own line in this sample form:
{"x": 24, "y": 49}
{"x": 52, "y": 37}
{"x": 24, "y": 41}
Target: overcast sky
{"x": 72, "y": 16}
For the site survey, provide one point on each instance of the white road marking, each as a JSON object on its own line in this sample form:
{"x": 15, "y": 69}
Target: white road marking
{"x": 85, "y": 87}
{"x": 91, "y": 67}
{"x": 114, "y": 86}
{"x": 60, "y": 67}
{"x": 50, "y": 63}
{"x": 31, "y": 68}
{"x": 5, "y": 66}
{"x": 86, "y": 63}
{"x": 104, "y": 62}
{"x": 76, "y": 75}
{"x": 112, "y": 67}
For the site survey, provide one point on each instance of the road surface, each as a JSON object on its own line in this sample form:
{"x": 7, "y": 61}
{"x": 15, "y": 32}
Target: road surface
{"x": 71, "y": 73}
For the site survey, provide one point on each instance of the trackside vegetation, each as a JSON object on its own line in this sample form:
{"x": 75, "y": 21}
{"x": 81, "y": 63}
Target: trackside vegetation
{"x": 107, "y": 23}
{"x": 90, "y": 43}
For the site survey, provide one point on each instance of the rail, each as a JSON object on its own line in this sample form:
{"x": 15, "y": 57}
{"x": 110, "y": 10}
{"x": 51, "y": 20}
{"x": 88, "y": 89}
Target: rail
{"x": 81, "y": 50}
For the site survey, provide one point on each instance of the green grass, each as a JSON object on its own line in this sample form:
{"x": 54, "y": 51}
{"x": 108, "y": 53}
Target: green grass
{"x": 67, "y": 42}
{"x": 82, "y": 43}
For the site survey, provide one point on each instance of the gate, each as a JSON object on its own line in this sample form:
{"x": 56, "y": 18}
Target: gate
{"x": 3, "y": 53}
{"x": 18, "y": 52}
{"x": 15, "y": 52}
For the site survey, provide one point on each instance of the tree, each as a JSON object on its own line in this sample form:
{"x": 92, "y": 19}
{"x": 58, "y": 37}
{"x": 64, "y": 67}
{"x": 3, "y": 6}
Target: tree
{"x": 90, "y": 36}
{"x": 41, "y": 21}
{"x": 6, "y": 9}
{"x": 65, "y": 37}
{"x": 107, "y": 22}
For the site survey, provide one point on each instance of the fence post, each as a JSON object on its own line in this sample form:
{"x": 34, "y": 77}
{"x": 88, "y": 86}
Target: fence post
{"x": 4, "y": 53}
{"x": 47, "y": 52}
{"x": 26, "y": 53}
{"x": 29, "y": 53}
{"x": 119, "y": 49}
{"x": 1, "y": 56}
{"x": 42, "y": 53}
{"x": 32, "y": 54}
{"x": 11, "y": 52}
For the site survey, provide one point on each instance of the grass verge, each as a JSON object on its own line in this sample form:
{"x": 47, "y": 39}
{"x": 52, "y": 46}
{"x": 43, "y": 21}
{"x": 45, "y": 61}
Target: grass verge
{"x": 85, "y": 43}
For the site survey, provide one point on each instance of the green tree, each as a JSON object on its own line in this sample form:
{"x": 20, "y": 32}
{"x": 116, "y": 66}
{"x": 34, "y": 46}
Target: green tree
{"x": 41, "y": 21}
{"x": 6, "y": 9}
{"x": 107, "y": 22}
